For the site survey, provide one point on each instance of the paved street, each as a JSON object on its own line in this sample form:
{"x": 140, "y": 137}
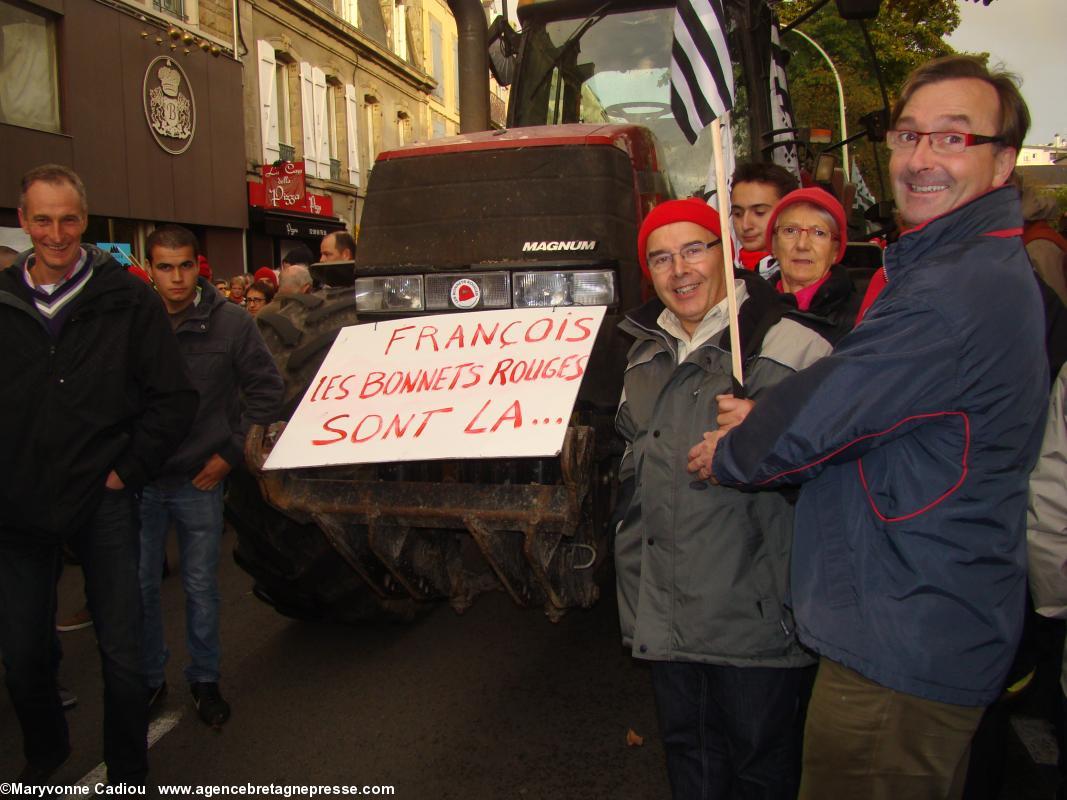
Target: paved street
{"x": 497, "y": 703}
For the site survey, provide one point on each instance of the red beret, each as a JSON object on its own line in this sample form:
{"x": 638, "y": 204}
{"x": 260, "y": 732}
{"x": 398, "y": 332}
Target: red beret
{"x": 691, "y": 209}
{"x": 822, "y": 199}
{"x": 266, "y": 274}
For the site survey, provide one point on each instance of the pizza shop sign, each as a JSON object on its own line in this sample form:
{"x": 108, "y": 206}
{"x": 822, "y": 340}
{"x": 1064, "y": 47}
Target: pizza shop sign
{"x": 284, "y": 185}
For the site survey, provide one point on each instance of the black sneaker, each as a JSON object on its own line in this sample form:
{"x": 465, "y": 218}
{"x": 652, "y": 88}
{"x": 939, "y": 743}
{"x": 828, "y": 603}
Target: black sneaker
{"x": 156, "y": 698}
{"x": 213, "y": 710}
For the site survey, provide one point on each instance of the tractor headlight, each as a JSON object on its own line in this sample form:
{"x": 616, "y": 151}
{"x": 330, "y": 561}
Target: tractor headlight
{"x": 570, "y": 288}
{"x": 393, "y": 293}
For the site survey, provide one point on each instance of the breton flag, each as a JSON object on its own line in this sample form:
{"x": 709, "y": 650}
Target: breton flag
{"x": 781, "y": 107}
{"x": 864, "y": 198}
{"x": 702, "y": 75}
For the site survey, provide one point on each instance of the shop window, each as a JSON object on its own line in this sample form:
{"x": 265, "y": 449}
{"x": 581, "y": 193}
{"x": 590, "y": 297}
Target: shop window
{"x": 29, "y": 86}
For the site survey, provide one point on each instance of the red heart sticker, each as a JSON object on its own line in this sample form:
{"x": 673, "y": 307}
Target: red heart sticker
{"x": 465, "y": 293}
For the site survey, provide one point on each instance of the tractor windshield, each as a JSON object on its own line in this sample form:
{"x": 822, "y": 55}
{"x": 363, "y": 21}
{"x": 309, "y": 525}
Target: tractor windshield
{"x": 612, "y": 67}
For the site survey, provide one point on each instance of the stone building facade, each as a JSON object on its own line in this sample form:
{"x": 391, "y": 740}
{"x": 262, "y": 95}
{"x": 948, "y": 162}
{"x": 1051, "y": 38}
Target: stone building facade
{"x": 332, "y": 83}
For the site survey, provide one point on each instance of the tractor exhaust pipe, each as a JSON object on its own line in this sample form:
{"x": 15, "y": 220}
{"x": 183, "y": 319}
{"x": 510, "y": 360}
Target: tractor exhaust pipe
{"x": 473, "y": 65}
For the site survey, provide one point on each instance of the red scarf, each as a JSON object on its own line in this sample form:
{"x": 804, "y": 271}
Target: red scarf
{"x": 750, "y": 258}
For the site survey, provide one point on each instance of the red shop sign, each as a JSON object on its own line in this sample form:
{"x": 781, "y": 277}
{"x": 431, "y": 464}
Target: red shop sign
{"x": 284, "y": 185}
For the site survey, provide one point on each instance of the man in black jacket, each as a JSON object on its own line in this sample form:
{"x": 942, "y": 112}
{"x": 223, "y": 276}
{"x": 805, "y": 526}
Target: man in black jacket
{"x": 239, "y": 384}
{"x": 92, "y": 407}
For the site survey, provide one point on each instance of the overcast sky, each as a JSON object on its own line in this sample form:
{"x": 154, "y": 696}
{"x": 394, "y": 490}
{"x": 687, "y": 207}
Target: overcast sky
{"x": 1030, "y": 38}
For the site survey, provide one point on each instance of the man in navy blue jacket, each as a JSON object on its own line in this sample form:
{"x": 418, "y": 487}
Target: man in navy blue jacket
{"x": 913, "y": 441}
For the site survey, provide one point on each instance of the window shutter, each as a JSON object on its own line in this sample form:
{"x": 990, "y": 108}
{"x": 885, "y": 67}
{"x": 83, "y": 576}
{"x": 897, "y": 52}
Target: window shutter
{"x": 307, "y": 114}
{"x": 268, "y": 102}
{"x": 351, "y": 122}
{"x": 322, "y": 121}
{"x": 438, "y": 59}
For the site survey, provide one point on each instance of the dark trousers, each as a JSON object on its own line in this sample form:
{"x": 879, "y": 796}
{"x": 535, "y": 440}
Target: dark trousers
{"x": 108, "y": 547}
{"x": 731, "y": 732}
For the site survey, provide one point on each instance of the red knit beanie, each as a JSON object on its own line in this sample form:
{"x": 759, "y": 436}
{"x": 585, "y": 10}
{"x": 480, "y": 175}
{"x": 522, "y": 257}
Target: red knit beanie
{"x": 691, "y": 209}
{"x": 267, "y": 274}
{"x": 816, "y": 197}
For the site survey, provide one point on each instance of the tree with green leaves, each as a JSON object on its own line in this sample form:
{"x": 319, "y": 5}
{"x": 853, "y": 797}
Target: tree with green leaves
{"x": 905, "y": 34}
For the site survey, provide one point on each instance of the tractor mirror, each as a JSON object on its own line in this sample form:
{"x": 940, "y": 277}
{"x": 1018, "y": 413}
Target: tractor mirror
{"x": 503, "y": 51}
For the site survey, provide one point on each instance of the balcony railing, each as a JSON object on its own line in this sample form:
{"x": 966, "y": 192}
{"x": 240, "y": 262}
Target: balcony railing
{"x": 335, "y": 170}
{"x": 286, "y": 152}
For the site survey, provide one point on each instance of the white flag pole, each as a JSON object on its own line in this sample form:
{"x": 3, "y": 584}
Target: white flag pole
{"x": 727, "y": 248}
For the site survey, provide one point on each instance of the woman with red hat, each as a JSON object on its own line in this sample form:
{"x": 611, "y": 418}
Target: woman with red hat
{"x": 808, "y": 233}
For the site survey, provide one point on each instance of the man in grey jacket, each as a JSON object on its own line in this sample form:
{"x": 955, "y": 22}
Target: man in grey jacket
{"x": 702, "y": 569}
{"x": 238, "y": 384}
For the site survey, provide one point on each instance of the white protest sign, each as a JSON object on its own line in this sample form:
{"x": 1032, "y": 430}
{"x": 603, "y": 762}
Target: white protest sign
{"x": 470, "y": 385}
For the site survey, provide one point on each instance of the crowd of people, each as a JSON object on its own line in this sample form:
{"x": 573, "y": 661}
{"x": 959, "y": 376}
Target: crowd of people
{"x": 823, "y": 559}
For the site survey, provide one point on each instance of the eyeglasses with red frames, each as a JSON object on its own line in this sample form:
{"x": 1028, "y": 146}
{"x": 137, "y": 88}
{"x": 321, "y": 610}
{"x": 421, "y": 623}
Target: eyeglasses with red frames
{"x": 940, "y": 141}
{"x": 791, "y": 232}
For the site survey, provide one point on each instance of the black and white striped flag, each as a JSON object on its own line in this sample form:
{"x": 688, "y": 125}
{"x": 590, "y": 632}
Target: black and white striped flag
{"x": 864, "y": 198}
{"x": 781, "y": 107}
{"x": 702, "y": 76}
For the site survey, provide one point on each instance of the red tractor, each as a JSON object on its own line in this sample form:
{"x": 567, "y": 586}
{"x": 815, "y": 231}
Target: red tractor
{"x": 542, "y": 213}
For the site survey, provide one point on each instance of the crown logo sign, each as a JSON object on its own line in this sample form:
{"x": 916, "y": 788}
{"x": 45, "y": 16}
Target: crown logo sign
{"x": 169, "y": 78}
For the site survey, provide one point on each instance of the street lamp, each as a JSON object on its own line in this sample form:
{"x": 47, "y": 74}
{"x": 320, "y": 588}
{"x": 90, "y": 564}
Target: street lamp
{"x": 840, "y": 95}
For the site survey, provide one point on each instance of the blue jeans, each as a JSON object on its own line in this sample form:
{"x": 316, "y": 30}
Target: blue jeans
{"x": 107, "y": 546}
{"x": 731, "y": 732}
{"x": 198, "y": 518}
